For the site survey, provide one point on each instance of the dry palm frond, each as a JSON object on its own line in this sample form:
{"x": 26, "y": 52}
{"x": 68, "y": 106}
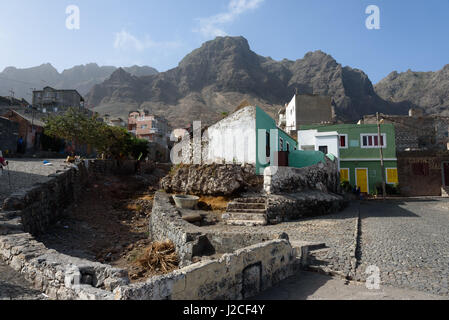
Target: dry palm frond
{"x": 160, "y": 256}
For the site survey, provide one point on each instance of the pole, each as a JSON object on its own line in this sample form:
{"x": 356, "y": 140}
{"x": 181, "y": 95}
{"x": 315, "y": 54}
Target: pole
{"x": 382, "y": 167}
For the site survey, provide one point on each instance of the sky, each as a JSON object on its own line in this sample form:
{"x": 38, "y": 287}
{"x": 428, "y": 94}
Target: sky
{"x": 413, "y": 34}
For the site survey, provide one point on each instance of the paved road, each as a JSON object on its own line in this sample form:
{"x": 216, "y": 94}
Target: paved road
{"x": 314, "y": 286}
{"x": 408, "y": 241}
{"x": 21, "y": 174}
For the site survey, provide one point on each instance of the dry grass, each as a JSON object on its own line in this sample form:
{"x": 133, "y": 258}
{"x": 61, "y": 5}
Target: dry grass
{"x": 160, "y": 257}
{"x": 215, "y": 203}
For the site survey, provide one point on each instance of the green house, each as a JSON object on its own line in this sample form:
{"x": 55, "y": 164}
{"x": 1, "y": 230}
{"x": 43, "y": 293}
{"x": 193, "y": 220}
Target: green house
{"x": 357, "y": 147}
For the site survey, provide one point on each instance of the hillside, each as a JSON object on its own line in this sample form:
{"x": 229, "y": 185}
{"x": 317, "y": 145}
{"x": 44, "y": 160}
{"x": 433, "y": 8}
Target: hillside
{"x": 81, "y": 78}
{"x": 429, "y": 90}
{"x": 216, "y": 77}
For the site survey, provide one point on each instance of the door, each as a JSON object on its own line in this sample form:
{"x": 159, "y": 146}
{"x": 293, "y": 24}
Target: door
{"x": 362, "y": 180}
{"x": 446, "y": 174}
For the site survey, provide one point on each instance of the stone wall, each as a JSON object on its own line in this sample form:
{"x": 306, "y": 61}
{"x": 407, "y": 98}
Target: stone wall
{"x": 166, "y": 223}
{"x": 213, "y": 179}
{"x": 294, "y": 206}
{"x": 30, "y": 212}
{"x": 322, "y": 176}
{"x": 235, "y": 276}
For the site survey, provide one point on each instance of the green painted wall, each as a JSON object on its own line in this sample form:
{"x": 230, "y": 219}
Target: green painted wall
{"x": 354, "y": 131}
{"x": 355, "y": 151}
{"x": 265, "y": 122}
{"x": 374, "y": 171}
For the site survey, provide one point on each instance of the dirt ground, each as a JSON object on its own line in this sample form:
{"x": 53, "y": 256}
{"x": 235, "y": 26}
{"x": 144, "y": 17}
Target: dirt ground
{"x": 109, "y": 224}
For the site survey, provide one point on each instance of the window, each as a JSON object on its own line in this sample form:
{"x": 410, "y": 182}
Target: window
{"x": 288, "y": 147}
{"x": 372, "y": 140}
{"x": 323, "y": 149}
{"x": 281, "y": 144}
{"x": 344, "y": 141}
{"x": 344, "y": 175}
{"x": 392, "y": 175}
{"x": 144, "y": 126}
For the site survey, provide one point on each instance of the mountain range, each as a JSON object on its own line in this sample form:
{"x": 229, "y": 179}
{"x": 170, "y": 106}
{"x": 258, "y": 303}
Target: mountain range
{"x": 428, "y": 90}
{"x": 213, "y": 79}
{"x": 81, "y": 78}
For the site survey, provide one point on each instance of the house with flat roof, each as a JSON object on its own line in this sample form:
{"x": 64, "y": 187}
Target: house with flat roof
{"x": 50, "y": 100}
{"x": 357, "y": 148}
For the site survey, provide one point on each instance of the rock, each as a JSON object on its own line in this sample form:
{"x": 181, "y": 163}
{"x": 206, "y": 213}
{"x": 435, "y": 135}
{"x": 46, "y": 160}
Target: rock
{"x": 212, "y": 179}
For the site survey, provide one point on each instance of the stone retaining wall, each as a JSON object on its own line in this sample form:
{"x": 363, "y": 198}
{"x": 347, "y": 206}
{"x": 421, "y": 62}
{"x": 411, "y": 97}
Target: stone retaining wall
{"x": 323, "y": 177}
{"x": 239, "y": 275}
{"x": 166, "y": 222}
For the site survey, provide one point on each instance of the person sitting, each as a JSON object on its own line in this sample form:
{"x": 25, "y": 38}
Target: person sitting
{"x": 3, "y": 162}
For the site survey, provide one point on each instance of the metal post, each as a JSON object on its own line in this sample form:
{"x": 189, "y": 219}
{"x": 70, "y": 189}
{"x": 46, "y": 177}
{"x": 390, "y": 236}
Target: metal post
{"x": 382, "y": 167}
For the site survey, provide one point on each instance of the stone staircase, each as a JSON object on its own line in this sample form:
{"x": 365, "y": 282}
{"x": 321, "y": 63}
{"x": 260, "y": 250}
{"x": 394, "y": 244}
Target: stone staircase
{"x": 247, "y": 212}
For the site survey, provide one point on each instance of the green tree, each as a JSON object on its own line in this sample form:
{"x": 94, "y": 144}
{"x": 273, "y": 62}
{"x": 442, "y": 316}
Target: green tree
{"x": 113, "y": 142}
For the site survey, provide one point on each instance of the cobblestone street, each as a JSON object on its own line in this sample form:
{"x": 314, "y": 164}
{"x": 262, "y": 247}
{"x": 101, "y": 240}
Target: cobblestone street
{"x": 407, "y": 240}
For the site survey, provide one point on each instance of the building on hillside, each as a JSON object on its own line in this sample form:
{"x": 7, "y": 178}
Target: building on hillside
{"x": 50, "y": 100}
{"x": 30, "y": 127}
{"x": 149, "y": 127}
{"x": 416, "y": 131}
{"x": 115, "y": 122}
{"x": 357, "y": 148}
{"x": 306, "y": 109}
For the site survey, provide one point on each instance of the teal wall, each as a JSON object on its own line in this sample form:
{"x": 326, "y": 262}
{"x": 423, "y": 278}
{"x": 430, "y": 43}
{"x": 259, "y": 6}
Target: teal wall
{"x": 301, "y": 159}
{"x": 265, "y": 122}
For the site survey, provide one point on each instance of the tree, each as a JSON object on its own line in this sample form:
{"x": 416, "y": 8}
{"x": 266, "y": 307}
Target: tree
{"x": 113, "y": 142}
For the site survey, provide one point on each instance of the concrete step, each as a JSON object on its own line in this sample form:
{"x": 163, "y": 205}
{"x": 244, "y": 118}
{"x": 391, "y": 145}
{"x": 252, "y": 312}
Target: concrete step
{"x": 240, "y": 205}
{"x": 250, "y": 200}
{"x": 247, "y": 223}
{"x": 244, "y": 216}
{"x": 261, "y": 211}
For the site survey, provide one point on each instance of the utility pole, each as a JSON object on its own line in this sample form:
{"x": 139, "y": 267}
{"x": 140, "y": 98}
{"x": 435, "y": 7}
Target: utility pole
{"x": 382, "y": 167}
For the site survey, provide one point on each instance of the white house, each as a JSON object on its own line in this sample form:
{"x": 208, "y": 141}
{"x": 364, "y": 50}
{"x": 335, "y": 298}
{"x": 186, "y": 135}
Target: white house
{"x": 326, "y": 142}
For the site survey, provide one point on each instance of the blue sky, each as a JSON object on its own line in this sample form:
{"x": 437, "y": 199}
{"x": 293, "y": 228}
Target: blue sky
{"x": 413, "y": 33}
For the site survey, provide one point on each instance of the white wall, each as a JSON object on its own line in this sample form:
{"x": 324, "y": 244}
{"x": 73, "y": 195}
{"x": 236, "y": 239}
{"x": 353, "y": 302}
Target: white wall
{"x": 331, "y": 141}
{"x": 290, "y": 115}
{"x": 317, "y": 139}
{"x": 306, "y": 138}
{"x": 234, "y": 139}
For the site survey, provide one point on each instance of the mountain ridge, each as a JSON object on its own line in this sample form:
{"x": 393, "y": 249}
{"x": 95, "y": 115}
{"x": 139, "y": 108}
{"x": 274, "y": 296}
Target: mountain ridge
{"x": 79, "y": 77}
{"x": 216, "y": 77}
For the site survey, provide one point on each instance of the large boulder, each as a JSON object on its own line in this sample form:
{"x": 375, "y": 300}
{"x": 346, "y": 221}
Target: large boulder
{"x": 212, "y": 179}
